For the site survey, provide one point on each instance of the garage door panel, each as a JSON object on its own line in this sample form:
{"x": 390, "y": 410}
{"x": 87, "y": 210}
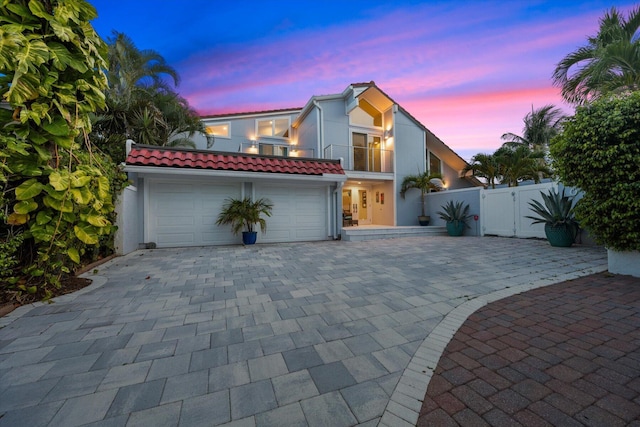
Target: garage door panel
{"x": 183, "y": 214}
{"x": 299, "y": 214}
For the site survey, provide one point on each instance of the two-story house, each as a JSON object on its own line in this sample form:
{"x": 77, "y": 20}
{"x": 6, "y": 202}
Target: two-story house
{"x": 341, "y": 153}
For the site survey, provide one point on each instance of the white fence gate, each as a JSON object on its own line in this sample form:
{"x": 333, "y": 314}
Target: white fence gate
{"x": 503, "y": 210}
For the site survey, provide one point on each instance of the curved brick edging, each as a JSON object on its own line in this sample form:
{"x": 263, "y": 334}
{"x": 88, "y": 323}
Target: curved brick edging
{"x": 404, "y": 405}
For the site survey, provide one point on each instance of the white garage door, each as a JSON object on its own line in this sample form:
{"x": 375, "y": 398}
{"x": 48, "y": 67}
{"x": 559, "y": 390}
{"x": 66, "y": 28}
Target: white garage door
{"x": 299, "y": 214}
{"x": 184, "y": 214}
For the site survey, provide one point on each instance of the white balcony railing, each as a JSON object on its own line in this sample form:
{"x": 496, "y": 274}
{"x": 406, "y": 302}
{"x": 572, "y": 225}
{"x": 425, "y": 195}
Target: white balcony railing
{"x": 365, "y": 159}
{"x": 281, "y": 150}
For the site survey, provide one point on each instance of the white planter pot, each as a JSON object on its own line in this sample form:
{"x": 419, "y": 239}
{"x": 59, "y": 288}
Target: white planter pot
{"x": 624, "y": 262}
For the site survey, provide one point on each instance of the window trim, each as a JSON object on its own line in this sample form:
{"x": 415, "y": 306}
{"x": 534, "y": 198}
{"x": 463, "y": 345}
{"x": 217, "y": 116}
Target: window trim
{"x": 273, "y": 126}
{"x": 227, "y": 124}
{"x": 429, "y": 154}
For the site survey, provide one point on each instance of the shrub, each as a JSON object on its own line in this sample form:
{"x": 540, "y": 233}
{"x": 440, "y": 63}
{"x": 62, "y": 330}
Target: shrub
{"x": 599, "y": 152}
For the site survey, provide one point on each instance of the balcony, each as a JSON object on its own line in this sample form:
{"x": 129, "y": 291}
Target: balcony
{"x": 361, "y": 159}
{"x": 280, "y": 150}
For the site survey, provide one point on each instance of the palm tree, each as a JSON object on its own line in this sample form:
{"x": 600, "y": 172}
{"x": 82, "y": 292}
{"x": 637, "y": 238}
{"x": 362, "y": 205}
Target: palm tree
{"x": 485, "y": 166}
{"x": 609, "y": 63}
{"x": 141, "y": 103}
{"x": 132, "y": 70}
{"x": 424, "y": 182}
{"x": 521, "y": 163}
{"x": 540, "y": 126}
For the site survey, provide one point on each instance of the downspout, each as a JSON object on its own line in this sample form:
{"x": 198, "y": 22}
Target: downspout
{"x": 395, "y": 165}
{"x": 337, "y": 193}
{"x": 320, "y": 154}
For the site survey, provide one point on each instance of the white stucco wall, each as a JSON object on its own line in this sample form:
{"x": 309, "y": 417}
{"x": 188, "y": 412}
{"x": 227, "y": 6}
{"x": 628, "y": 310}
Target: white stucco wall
{"x": 126, "y": 238}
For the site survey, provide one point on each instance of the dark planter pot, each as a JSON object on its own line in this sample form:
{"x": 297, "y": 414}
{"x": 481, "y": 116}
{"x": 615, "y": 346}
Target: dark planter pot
{"x": 560, "y": 236}
{"x": 249, "y": 237}
{"x": 424, "y": 220}
{"x": 455, "y": 228}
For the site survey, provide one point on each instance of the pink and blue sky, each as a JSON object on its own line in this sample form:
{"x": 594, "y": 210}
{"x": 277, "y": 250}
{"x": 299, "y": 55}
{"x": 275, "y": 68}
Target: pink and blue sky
{"x": 469, "y": 71}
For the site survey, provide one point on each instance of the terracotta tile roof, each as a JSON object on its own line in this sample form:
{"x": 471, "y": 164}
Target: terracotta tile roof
{"x": 146, "y": 155}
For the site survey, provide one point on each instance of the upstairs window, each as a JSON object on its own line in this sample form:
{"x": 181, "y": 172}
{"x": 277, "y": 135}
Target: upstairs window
{"x": 221, "y": 130}
{"x": 273, "y": 127}
{"x": 435, "y": 164}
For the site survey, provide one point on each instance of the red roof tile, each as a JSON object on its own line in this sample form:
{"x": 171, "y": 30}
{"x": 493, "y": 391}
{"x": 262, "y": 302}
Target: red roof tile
{"x": 146, "y": 155}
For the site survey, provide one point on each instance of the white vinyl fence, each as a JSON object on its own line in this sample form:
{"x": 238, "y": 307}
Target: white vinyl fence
{"x": 503, "y": 210}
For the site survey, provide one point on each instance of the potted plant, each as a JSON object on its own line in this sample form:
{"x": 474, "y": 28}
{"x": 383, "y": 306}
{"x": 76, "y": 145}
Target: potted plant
{"x": 245, "y": 214}
{"x": 425, "y": 182}
{"x": 560, "y": 225}
{"x": 456, "y": 216}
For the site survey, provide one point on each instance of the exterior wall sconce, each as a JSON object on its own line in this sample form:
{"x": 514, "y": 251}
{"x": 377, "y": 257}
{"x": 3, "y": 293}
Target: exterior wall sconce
{"x": 388, "y": 133}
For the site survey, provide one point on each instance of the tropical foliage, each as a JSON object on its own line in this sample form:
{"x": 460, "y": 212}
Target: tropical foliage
{"x": 424, "y": 182}
{"x": 521, "y": 157}
{"x": 244, "y": 214}
{"x": 556, "y": 211}
{"x": 57, "y": 195}
{"x": 608, "y": 64}
{"x": 540, "y": 126}
{"x": 141, "y": 103}
{"x": 486, "y": 166}
{"x": 599, "y": 153}
{"x": 455, "y": 212}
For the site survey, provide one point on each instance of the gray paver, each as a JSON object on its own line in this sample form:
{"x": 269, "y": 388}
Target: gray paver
{"x": 228, "y": 376}
{"x": 221, "y": 319}
{"x": 267, "y": 367}
{"x": 210, "y": 358}
{"x": 328, "y": 409}
{"x": 180, "y": 387}
{"x": 302, "y": 358}
{"x": 84, "y": 409}
{"x": 294, "y": 387}
{"x": 332, "y": 376}
{"x": 251, "y": 399}
{"x": 290, "y": 416}
{"x": 136, "y": 397}
{"x": 33, "y": 416}
{"x": 209, "y": 409}
{"x": 366, "y": 400}
{"x": 158, "y": 416}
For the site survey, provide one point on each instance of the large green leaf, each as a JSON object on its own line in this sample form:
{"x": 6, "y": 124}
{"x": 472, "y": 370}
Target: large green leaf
{"x": 43, "y": 217}
{"x": 60, "y": 180}
{"x": 58, "y": 127}
{"x": 86, "y": 233}
{"x": 25, "y": 206}
{"x": 28, "y": 189}
{"x": 63, "y": 58}
{"x": 79, "y": 179}
{"x": 42, "y": 233}
{"x": 82, "y": 195}
{"x": 98, "y": 220}
{"x": 74, "y": 255}
{"x": 59, "y": 205}
{"x": 103, "y": 188}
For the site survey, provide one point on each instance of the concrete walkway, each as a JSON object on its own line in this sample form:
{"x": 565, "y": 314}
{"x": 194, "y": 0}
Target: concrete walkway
{"x": 329, "y": 333}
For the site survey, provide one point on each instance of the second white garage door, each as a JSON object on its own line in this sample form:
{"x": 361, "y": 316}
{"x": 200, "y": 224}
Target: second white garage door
{"x": 299, "y": 214}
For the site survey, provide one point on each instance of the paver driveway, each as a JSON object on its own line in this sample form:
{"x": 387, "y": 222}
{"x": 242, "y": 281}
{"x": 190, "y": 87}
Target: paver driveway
{"x": 288, "y": 334}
